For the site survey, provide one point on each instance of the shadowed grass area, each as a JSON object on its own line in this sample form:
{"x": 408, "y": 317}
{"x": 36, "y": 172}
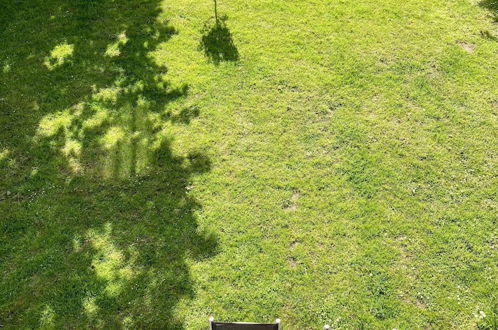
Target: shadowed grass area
{"x": 97, "y": 221}
{"x": 492, "y": 5}
{"x": 217, "y": 42}
{"x": 320, "y": 161}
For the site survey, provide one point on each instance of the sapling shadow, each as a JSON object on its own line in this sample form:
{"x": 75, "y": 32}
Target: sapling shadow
{"x": 217, "y": 42}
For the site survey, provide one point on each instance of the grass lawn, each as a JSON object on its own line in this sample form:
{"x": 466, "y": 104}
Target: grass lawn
{"x": 320, "y": 161}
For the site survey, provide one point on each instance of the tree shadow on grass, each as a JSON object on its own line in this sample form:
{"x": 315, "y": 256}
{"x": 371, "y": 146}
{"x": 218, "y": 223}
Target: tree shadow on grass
{"x": 217, "y": 42}
{"x": 489, "y": 36}
{"x": 492, "y": 6}
{"x": 97, "y": 221}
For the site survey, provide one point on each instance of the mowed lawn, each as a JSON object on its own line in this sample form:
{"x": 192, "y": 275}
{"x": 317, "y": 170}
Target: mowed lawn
{"x": 320, "y": 161}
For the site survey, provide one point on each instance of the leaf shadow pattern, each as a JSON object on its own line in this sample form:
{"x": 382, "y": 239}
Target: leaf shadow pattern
{"x": 97, "y": 222}
{"x": 217, "y": 42}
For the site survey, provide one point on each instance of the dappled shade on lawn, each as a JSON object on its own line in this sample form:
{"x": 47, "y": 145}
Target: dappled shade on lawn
{"x": 98, "y": 223}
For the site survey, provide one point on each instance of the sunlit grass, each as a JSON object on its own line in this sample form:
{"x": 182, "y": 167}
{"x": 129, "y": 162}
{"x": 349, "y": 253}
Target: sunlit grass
{"x": 109, "y": 262}
{"x": 59, "y": 55}
{"x": 113, "y": 48}
{"x": 47, "y": 318}
{"x": 4, "y": 154}
{"x": 321, "y": 162}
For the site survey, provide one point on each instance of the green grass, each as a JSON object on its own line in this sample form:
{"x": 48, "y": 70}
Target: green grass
{"x": 321, "y": 161}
